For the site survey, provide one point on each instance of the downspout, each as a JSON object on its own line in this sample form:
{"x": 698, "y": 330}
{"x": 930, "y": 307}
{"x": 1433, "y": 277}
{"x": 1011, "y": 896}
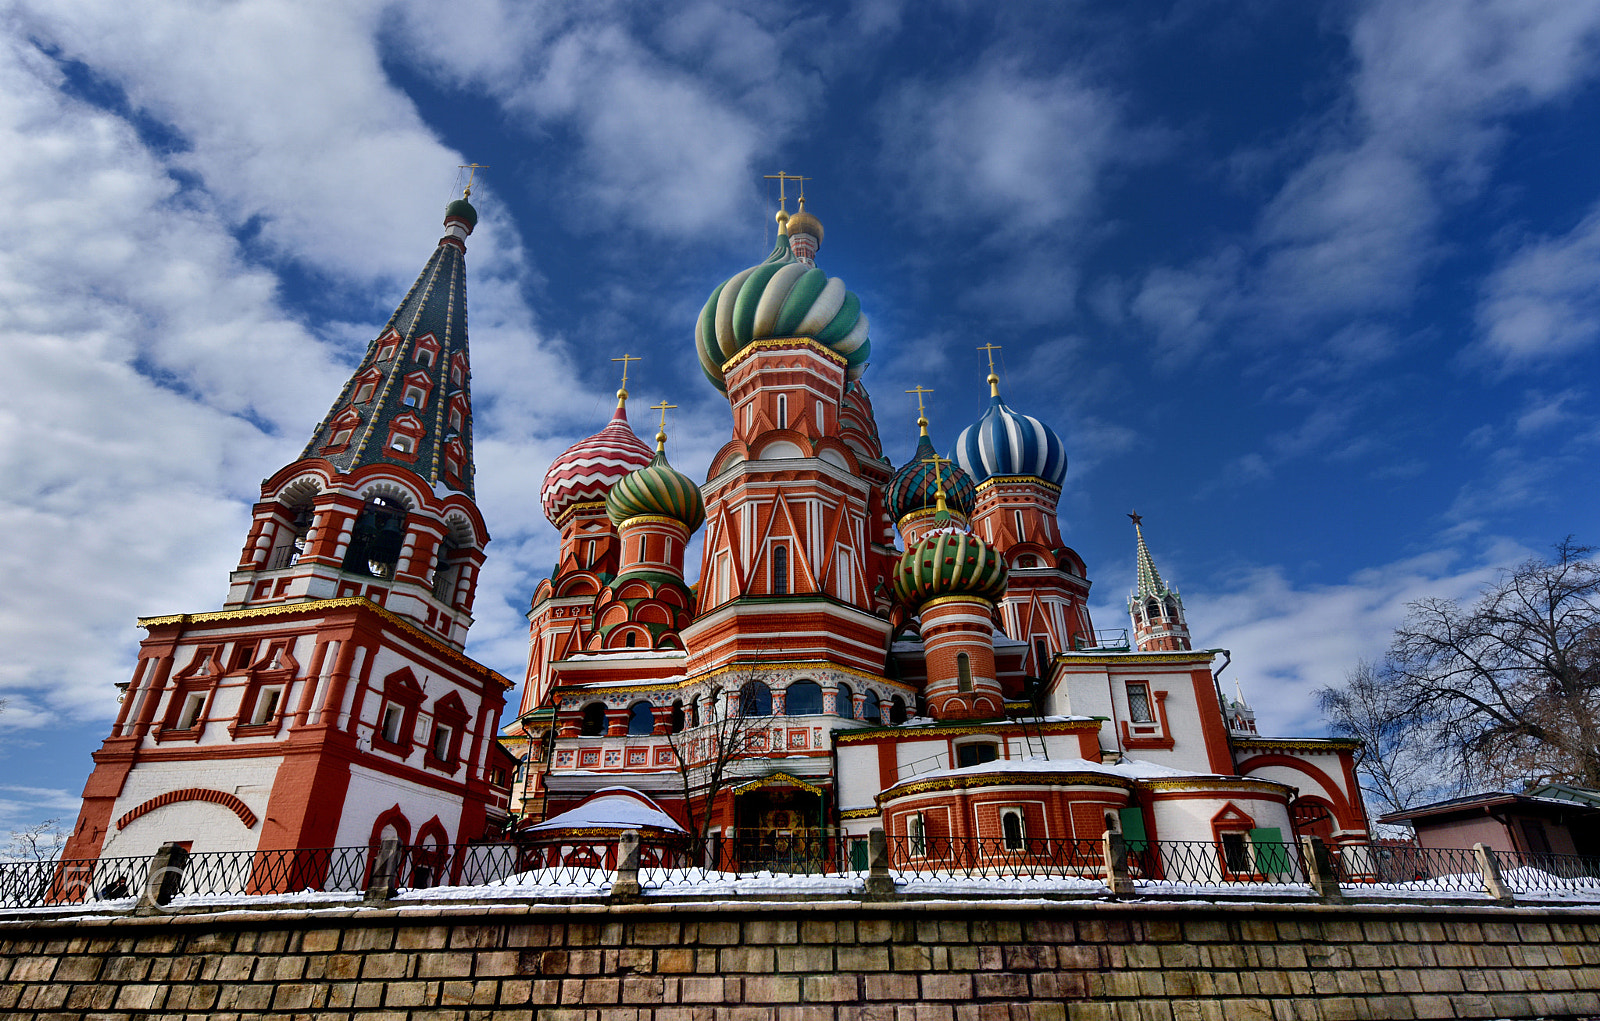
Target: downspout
{"x": 1216, "y": 680}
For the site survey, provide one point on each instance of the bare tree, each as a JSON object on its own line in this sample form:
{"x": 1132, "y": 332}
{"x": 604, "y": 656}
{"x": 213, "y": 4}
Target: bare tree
{"x": 43, "y": 841}
{"x": 1511, "y": 684}
{"x": 1399, "y": 763}
{"x": 705, "y": 753}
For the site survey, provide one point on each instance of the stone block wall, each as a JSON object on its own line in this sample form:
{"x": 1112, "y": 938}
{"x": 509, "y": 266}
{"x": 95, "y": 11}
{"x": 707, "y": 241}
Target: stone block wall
{"x": 809, "y": 961}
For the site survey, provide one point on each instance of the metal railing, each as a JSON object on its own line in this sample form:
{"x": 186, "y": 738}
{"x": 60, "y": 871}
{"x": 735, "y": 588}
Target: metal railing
{"x": 801, "y": 863}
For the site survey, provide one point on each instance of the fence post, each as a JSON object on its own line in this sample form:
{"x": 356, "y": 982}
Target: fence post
{"x": 165, "y": 878}
{"x": 385, "y": 871}
{"x": 1116, "y": 852}
{"x": 1493, "y": 885}
{"x": 626, "y": 885}
{"x": 879, "y": 882}
{"x": 1320, "y": 873}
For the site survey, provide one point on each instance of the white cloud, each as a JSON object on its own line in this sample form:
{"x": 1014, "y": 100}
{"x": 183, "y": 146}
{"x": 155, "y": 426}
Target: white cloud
{"x": 1543, "y": 302}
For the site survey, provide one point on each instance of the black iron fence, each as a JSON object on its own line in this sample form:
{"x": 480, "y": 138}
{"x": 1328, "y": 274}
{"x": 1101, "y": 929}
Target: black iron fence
{"x": 769, "y": 862}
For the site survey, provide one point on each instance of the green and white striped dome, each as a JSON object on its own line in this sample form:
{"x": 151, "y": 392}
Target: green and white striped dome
{"x": 785, "y": 296}
{"x": 949, "y": 562}
{"x": 656, "y": 489}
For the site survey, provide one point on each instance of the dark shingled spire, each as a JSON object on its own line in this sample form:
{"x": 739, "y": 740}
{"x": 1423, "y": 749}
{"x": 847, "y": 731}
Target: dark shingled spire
{"x": 408, "y": 403}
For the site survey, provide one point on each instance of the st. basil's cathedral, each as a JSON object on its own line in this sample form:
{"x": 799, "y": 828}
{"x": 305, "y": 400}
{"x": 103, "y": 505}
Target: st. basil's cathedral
{"x": 864, "y": 646}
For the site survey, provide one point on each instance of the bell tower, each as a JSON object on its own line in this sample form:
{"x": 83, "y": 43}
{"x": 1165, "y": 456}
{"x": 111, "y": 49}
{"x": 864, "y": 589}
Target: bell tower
{"x": 1155, "y": 607}
{"x": 329, "y": 701}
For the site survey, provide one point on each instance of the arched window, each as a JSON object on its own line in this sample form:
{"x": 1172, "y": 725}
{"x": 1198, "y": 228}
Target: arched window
{"x": 675, "y": 723}
{"x": 872, "y": 712}
{"x": 631, "y": 639}
{"x": 780, "y": 569}
{"x": 375, "y": 541}
{"x": 897, "y": 710}
{"x": 783, "y": 411}
{"x": 963, "y": 672}
{"x": 803, "y": 698}
{"x": 1152, "y": 610}
{"x": 594, "y": 720}
{"x": 641, "y": 720}
{"x": 1172, "y": 610}
{"x": 1012, "y": 830}
{"x": 755, "y": 699}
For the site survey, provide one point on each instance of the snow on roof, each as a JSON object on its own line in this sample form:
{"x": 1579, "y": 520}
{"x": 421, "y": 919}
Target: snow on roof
{"x": 619, "y": 808}
{"x": 925, "y": 721}
{"x": 1130, "y": 769}
{"x": 643, "y": 654}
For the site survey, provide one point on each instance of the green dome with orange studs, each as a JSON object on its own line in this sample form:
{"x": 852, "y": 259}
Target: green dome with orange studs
{"x": 949, "y": 562}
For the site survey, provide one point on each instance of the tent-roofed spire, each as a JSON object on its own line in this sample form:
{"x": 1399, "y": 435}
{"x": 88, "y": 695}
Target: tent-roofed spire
{"x": 408, "y": 402}
{"x": 1150, "y": 583}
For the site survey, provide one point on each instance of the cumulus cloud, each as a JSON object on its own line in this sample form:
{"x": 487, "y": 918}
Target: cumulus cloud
{"x": 1543, "y": 301}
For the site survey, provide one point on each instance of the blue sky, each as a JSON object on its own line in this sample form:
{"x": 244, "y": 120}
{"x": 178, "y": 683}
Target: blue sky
{"x": 1314, "y": 287}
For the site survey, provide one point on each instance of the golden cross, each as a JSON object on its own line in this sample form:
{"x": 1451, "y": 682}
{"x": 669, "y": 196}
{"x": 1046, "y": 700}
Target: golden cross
{"x": 919, "y": 391}
{"x": 782, "y": 179}
{"x": 991, "y": 349}
{"x": 663, "y": 407}
{"x": 625, "y": 359}
{"x": 938, "y": 468}
{"x": 472, "y": 170}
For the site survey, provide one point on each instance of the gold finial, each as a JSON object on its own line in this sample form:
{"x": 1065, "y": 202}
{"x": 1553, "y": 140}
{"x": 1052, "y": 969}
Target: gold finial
{"x": 472, "y": 170}
{"x": 783, "y": 179}
{"x": 661, "y": 434}
{"x": 994, "y": 381}
{"x": 622, "y": 393}
{"x": 941, "y": 510}
{"x": 922, "y": 417}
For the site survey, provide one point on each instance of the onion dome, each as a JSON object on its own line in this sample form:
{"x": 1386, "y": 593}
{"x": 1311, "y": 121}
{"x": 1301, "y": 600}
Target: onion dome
{"x": 461, "y": 209}
{"x": 589, "y": 468}
{"x": 949, "y": 562}
{"x": 657, "y": 489}
{"x": 1005, "y": 442}
{"x": 784, "y": 296}
{"x": 916, "y": 486}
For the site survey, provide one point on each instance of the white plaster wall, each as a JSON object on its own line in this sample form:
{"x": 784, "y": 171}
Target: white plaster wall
{"x": 1190, "y": 818}
{"x": 211, "y": 827}
{"x": 1295, "y": 778}
{"x": 372, "y": 793}
{"x": 858, "y": 776}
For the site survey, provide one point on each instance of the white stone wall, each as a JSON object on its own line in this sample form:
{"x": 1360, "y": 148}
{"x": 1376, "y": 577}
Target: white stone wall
{"x": 372, "y": 793}
{"x": 211, "y": 827}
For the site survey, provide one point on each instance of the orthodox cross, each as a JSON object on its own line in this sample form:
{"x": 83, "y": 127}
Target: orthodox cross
{"x": 472, "y": 170}
{"x": 625, "y": 359}
{"x": 663, "y": 407}
{"x": 943, "y": 514}
{"x": 991, "y": 349}
{"x": 919, "y": 391}
{"x": 783, "y": 179}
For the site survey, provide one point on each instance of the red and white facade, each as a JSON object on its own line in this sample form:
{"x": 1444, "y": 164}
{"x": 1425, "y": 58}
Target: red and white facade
{"x": 962, "y": 715}
{"x": 329, "y": 702}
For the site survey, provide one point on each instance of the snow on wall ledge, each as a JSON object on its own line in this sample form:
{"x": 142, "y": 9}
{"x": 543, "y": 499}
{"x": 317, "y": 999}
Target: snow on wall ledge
{"x": 948, "y": 960}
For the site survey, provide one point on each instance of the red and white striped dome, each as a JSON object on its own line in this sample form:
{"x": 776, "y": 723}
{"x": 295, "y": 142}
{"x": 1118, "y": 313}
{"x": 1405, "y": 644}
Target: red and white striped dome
{"x": 589, "y": 468}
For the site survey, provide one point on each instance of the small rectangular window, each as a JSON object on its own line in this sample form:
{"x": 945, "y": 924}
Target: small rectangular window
{"x": 393, "y": 717}
{"x": 1236, "y": 853}
{"x": 191, "y": 711}
{"x": 441, "y": 742}
{"x": 266, "y": 706}
{"x": 917, "y": 835}
{"x": 974, "y": 754}
{"x": 1139, "y": 703}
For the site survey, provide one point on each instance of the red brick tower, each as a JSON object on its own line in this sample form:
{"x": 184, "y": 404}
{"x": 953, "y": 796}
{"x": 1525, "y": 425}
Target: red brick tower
{"x": 329, "y": 701}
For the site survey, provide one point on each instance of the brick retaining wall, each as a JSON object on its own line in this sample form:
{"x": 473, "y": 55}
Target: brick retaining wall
{"x": 826, "y": 960}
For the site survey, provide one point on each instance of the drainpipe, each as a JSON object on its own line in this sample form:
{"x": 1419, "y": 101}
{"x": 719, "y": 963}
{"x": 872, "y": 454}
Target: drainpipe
{"x": 1216, "y": 681}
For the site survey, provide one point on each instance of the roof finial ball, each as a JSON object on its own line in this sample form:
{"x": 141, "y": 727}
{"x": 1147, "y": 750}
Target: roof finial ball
{"x": 805, "y": 234}
{"x": 460, "y": 211}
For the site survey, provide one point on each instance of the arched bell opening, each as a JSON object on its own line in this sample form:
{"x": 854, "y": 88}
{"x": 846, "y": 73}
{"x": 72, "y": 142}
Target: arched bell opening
{"x": 377, "y": 538}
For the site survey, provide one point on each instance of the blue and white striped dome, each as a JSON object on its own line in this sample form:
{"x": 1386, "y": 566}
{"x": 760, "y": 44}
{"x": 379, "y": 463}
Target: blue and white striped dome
{"x": 1004, "y": 442}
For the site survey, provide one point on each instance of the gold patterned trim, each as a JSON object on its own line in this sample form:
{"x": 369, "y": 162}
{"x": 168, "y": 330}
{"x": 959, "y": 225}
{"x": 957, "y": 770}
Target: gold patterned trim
{"x": 772, "y": 342}
{"x": 562, "y": 832}
{"x": 654, "y": 519}
{"x": 323, "y": 606}
{"x": 910, "y": 733}
{"x": 947, "y": 783}
{"x": 941, "y": 600}
{"x": 1091, "y": 656}
{"x": 1215, "y": 784}
{"x": 1327, "y": 744}
{"x": 778, "y": 779}
{"x": 573, "y": 508}
{"x": 798, "y": 664}
{"x": 1032, "y": 480}
{"x": 860, "y": 813}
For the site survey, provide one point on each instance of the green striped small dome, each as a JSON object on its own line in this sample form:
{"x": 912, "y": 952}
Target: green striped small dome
{"x": 782, "y": 297}
{"x": 949, "y": 563}
{"x": 659, "y": 489}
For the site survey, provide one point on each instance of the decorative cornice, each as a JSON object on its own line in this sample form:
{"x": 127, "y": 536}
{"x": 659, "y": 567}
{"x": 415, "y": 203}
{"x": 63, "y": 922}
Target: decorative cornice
{"x": 1031, "y": 480}
{"x": 653, "y": 519}
{"x": 860, "y": 813}
{"x": 941, "y": 600}
{"x": 359, "y": 603}
{"x": 1044, "y": 776}
{"x": 562, "y": 833}
{"x": 778, "y": 779}
{"x": 777, "y": 342}
{"x": 1086, "y": 656}
{"x": 573, "y": 508}
{"x": 1190, "y": 783}
{"x": 1051, "y": 727}
{"x": 1302, "y": 744}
